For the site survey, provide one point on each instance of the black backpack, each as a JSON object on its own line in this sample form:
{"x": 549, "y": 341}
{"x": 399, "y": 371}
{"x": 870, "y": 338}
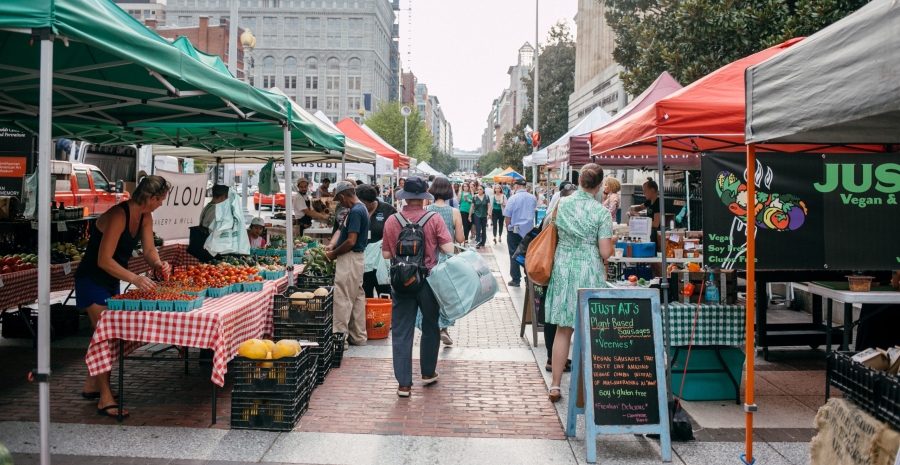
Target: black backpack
{"x": 408, "y": 270}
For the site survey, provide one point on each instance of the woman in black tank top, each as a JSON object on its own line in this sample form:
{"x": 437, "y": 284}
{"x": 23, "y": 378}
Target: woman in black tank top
{"x": 105, "y": 263}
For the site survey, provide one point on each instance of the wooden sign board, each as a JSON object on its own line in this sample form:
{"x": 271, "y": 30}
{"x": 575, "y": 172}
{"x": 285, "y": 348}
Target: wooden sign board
{"x": 618, "y": 356}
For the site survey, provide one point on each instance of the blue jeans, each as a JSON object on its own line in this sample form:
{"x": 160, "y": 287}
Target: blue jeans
{"x": 512, "y": 243}
{"x": 403, "y": 319}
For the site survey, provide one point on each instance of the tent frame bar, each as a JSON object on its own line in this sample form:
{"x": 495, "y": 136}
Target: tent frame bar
{"x": 44, "y": 157}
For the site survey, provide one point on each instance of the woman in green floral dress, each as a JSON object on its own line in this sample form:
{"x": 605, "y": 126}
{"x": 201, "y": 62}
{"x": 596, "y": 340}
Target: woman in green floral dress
{"x": 584, "y": 228}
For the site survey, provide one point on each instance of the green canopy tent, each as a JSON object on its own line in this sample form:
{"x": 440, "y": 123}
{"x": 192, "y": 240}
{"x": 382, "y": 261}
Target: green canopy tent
{"x": 490, "y": 176}
{"x": 85, "y": 69}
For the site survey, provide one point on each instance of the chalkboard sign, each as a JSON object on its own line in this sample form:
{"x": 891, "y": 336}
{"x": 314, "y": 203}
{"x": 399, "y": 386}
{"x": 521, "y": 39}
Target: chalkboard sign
{"x": 623, "y": 362}
{"x": 618, "y": 364}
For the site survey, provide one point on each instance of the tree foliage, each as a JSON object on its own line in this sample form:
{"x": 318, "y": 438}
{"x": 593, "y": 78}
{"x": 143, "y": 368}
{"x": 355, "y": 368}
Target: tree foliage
{"x": 443, "y": 162}
{"x": 692, "y": 38}
{"x": 201, "y": 166}
{"x": 487, "y": 163}
{"x": 387, "y": 122}
{"x": 556, "y": 64}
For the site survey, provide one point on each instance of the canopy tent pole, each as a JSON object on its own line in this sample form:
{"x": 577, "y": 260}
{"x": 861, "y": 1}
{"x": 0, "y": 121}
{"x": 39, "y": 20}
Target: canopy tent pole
{"x": 44, "y": 146}
{"x": 288, "y": 208}
{"x": 687, "y": 199}
{"x": 749, "y": 350}
{"x": 664, "y": 281}
{"x": 343, "y": 166}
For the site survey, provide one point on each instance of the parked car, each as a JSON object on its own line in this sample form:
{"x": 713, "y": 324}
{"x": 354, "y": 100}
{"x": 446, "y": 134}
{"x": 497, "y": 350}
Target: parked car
{"x": 86, "y": 186}
{"x": 260, "y": 200}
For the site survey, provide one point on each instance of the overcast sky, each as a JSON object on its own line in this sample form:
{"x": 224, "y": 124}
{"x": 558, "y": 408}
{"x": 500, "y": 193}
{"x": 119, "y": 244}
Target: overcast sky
{"x": 462, "y": 49}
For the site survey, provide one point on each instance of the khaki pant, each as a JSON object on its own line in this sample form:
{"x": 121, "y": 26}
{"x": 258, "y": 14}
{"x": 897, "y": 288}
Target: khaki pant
{"x": 349, "y": 298}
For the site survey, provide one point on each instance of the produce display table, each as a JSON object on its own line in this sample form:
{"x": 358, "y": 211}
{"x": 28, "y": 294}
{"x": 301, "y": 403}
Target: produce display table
{"x": 20, "y": 288}
{"x": 718, "y": 327}
{"x": 221, "y": 324}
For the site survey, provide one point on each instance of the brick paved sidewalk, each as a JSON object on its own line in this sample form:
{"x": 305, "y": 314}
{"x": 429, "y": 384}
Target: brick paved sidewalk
{"x": 481, "y": 398}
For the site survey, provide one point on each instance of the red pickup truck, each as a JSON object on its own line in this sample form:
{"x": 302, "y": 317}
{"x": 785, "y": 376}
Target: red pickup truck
{"x": 84, "y": 185}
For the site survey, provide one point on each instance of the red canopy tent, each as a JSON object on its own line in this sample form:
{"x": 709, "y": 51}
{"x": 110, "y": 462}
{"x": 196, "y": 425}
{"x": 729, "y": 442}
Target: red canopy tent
{"x": 355, "y": 132}
{"x": 706, "y": 116}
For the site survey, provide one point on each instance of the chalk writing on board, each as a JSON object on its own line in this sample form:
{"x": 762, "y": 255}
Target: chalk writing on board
{"x": 623, "y": 362}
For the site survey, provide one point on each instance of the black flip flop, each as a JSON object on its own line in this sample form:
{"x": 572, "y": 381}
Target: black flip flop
{"x": 549, "y": 368}
{"x": 94, "y": 395}
{"x": 105, "y": 411}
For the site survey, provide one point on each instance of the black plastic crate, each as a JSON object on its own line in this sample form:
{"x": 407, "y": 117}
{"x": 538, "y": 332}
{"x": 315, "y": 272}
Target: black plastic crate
{"x": 858, "y": 382}
{"x": 338, "y": 342}
{"x": 888, "y": 401}
{"x": 260, "y": 376}
{"x": 64, "y": 322}
{"x": 301, "y": 311}
{"x": 269, "y": 412}
{"x": 314, "y": 332}
{"x": 325, "y": 364}
{"x": 314, "y": 282}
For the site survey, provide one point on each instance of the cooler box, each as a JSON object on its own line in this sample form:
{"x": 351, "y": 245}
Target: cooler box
{"x": 707, "y": 386}
{"x": 638, "y": 249}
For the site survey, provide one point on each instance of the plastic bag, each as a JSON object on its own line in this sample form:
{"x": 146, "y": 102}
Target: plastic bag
{"x": 228, "y": 232}
{"x": 30, "y": 194}
{"x": 462, "y": 283}
{"x": 268, "y": 181}
{"x": 375, "y": 261}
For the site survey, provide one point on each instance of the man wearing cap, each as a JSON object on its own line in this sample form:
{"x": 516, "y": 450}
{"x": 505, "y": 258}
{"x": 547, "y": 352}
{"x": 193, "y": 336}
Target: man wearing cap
{"x": 323, "y": 191}
{"x": 348, "y": 249}
{"x": 519, "y": 215}
{"x": 303, "y": 211}
{"x": 405, "y": 306}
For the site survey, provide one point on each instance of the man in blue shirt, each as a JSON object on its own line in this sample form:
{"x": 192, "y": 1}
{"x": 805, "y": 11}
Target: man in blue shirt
{"x": 348, "y": 249}
{"x": 519, "y": 220}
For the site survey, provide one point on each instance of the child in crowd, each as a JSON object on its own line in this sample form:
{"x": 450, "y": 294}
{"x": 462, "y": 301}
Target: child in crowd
{"x": 255, "y": 233}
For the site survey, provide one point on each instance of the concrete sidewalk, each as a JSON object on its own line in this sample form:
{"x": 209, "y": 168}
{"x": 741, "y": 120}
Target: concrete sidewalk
{"x": 490, "y": 406}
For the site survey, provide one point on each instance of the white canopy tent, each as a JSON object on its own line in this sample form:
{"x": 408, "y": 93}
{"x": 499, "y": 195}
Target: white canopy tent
{"x": 428, "y": 170}
{"x": 538, "y": 158}
{"x": 559, "y": 149}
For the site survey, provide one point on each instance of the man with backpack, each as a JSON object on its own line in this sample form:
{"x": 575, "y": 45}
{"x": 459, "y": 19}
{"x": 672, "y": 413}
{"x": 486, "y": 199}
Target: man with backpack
{"x": 412, "y": 239}
{"x": 348, "y": 249}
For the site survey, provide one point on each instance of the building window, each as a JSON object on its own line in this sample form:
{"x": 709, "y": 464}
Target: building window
{"x": 292, "y": 32}
{"x": 355, "y": 36}
{"x": 185, "y": 21}
{"x": 333, "y": 83}
{"x": 334, "y": 32}
{"x": 268, "y": 72}
{"x": 333, "y": 63}
{"x": 354, "y": 103}
{"x": 312, "y": 82}
{"x": 312, "y": 103}
{"x": 312, "y": 32}
{"x": 332, "y": 103}
{"x": 248, "y": 22}
{"x": 354, "y": 83}
{"x": 312, "y": 63}
{"x": 269, "y": 32}
{"x": 290, "y": 73}
{"x": 339, "y": 3}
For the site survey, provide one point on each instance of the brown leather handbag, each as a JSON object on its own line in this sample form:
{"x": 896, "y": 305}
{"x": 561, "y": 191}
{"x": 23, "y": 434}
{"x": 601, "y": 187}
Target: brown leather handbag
{"x": 541, "y": 251}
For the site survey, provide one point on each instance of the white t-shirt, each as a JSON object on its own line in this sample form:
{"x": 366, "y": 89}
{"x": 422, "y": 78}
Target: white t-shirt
{"x": 300, "y": 202}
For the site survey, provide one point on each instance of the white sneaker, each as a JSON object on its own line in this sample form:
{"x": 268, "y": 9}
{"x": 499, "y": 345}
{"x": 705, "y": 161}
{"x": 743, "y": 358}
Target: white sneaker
{"x": 445, "y": 337}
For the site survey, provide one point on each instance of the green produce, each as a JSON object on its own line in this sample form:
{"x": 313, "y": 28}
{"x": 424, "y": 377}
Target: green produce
{"x": 317, "y": 263}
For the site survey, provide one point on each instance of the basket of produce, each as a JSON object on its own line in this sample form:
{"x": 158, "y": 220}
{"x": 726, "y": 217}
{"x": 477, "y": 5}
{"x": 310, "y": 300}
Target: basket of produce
{"x": 116, "y": 302}
{"x": 298, "y": 307}
{"x": 281, "y": 369}
{"x": 318, "y": 270}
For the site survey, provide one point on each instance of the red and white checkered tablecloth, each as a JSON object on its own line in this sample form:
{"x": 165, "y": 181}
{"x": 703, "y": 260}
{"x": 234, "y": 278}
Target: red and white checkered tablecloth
{"x": 20, "y": 288}
{"x": 221, "y": 324}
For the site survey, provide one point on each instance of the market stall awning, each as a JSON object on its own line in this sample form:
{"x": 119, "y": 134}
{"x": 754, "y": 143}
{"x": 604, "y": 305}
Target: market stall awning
{"x": 404, "y": 159}
{"x": 706, "y": 116}
{"x": 578, "y": 151}
{"x": 508, "y": 175}
{"x": 113, "y": 77}
{"x": 563, "y": 149}
{"x": 538, "y": 158}
{"x": 355, "y": 150}
{"x": 490, "y": 176}
{"x": 356, "y": 132}
{"x": 427, "y": 169}
{"x": 840, "y": 86}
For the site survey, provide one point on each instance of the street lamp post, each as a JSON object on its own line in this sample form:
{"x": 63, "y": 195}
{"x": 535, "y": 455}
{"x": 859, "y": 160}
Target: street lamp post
{"x": 248, "y": 42}
{"x": 405, "y": 111}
